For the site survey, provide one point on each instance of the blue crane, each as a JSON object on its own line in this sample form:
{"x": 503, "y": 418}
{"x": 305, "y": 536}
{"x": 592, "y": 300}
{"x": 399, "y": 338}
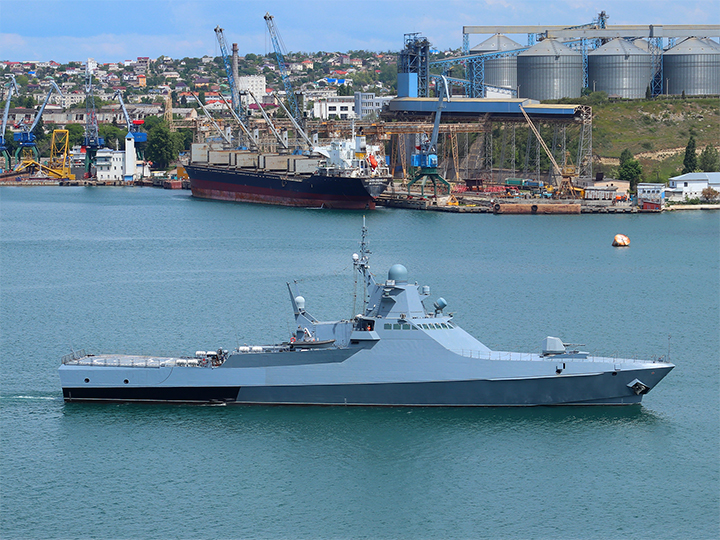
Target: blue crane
{"x": 92, "y": 140}
{"x": 139, "y": 136}
{"x": 26, "y": 138}
{"x": 237, "y": 106}
{"x": 12, "y": 87}
{"x": 280, "y": 53}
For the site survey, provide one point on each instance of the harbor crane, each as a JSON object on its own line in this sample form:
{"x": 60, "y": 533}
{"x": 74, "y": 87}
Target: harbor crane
{"x": 234, "y": 91}
{"x": 281, "y": 139}
{"x": 132, "y": 127}
{"x": 92, "y": 140}
{"x": 26, "y": 138}
{"x": 280, "y": 53}
{"x": 11, "y": 87}
{"x": 565, "y": 190}
{"x": 299, "y": 129}
{"x": 426, "y": 159}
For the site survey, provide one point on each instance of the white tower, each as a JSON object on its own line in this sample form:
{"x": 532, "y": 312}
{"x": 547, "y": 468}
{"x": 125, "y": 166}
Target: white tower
{"x": 130, "y": 159}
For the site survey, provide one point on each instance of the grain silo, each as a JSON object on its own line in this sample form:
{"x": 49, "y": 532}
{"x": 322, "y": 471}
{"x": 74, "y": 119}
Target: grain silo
{"x": 693, "y": 67}
{"x": 549, "y": 70}
{"x": 501, "y": 72}
{"x": 620, "y": 69}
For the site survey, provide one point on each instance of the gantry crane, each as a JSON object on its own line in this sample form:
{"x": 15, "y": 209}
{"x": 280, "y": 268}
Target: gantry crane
{"x": 132, "y": 127}
{"x": 26, "y": 138}
{"x": 92, "y": 140}
{"x": 12, "y": 87}
{"x": 280, "y": 53}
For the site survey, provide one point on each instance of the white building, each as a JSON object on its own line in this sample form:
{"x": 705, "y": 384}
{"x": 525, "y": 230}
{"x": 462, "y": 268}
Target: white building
{"x": 255, "y": 84}
{"x": 367, "y": 103}
{"x": 691, "y": 185}
{"x": 110, "y": 164}
{"x": 650, "y": 196}
{"x": 340, "y": 107}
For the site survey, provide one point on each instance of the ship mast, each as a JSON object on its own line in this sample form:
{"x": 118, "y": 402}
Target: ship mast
{"x": 361, "y": 262}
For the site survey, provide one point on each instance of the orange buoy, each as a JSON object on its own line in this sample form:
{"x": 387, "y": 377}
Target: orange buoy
{"x": 621, "y": 240}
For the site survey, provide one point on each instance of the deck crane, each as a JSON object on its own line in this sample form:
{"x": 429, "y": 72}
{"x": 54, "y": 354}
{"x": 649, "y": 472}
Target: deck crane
{"x": 565, "y": 190}
{"x": 139, "y": 136}
{"x": 207, "y": 113}
{"x": 282, "y": 140}
{"x": 300, "y": 130}
{"x": 92, "y": 140}
{"x": 280, "y": 53}
{"x": 234, "y": 92}
{"x": 252, "y": 143}
{"x": 12, "y": 87}
{"x": 26, "y": 138}
{"x": 427, "y": 159}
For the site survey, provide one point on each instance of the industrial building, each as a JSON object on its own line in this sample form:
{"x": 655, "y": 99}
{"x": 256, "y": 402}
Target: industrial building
{"x": 560, "y": 62}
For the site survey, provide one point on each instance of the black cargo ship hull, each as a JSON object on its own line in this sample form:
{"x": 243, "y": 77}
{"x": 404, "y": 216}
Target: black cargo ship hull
{"x": 311, "y": 190}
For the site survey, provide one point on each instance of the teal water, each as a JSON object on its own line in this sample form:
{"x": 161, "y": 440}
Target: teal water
{"x": 153, "y": 271}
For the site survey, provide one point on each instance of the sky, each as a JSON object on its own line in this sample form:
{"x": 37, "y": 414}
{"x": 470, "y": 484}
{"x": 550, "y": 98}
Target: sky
{"x": 111, "y": 31}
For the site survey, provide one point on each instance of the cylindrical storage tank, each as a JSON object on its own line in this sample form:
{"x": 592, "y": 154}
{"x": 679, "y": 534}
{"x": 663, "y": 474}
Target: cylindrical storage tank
{"x": 549, "y": 70}
{"x": 501, "y": 71}
{"x": 620, "y": 69}
{"x": 693, "y": 67}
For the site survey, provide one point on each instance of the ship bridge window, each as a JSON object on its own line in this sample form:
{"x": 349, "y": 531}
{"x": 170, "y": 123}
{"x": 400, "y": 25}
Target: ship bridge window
{"x": 388, "y": 326}
{"x": 406, "y": 327}
{"x": 397, "y": 326}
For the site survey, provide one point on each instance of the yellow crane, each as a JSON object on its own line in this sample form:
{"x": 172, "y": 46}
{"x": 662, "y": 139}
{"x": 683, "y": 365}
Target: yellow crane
{"x": 565, "y": 190}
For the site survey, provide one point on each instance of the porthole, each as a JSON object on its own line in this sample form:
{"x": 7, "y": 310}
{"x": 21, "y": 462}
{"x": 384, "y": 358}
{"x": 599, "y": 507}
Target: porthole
{"x": 87, "y": 380}
{"x": 126, "y": 381}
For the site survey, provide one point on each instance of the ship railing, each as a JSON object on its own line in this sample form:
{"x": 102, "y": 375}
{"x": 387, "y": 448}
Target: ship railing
{"x": 133, "y": 361}
{"x": 534, "y": 357}
{"x": 75, "y": 355}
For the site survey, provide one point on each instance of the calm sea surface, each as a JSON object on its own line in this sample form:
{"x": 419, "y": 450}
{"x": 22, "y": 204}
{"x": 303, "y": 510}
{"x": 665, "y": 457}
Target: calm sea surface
{"x": 139, "y": 270}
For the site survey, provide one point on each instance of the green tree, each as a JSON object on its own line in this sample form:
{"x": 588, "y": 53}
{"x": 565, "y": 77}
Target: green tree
{"x": 160, "y": 147}
{"x": 709, "y": 159}
{"x": 625, "y": 156}
{"x": 690, "y": 162}
{"x": 630, "y": 171}
{"x": 75, "y": 134}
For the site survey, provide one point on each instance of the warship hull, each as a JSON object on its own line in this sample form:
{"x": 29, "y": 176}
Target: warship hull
{"x": 304, "y": 190}
{"x": 605, "y": 383}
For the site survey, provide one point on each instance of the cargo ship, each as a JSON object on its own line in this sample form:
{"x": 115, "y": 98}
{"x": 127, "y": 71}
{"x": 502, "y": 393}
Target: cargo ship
{"x": 346, "y": 174}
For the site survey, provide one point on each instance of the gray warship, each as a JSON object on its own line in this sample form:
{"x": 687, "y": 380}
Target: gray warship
{"x": 397, "y": 352}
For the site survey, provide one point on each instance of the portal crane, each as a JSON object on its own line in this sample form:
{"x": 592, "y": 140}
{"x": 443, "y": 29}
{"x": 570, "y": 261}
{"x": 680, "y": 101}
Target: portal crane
{"x": 139, "y": 136}
{"x": 280, "y": 53}
{"x": 427, "y": 159}
{"x": 92, "y": 140}
{"x": 234, "y": 92}
{"x": 12, "y": 87}
{"x": 26, "y": 138}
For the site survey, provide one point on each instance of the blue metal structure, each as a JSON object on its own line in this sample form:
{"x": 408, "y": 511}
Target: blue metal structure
{"x": 415, "y": 58}
{"x": 92, "y": 140}
{"x": 235, "y": 94}
{"x": 26, "y": 138}
{"x": 12, "y": 87}
{"x": 280, "y": 53}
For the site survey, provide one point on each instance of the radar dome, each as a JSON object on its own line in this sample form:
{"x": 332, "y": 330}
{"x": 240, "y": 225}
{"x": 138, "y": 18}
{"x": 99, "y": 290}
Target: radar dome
{"x": 398, "y": 273}
{"x": 300, "y": 301}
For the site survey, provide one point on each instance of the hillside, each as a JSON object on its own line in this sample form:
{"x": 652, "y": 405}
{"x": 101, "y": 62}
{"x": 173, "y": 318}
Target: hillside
{"x": 655, "y": 131}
